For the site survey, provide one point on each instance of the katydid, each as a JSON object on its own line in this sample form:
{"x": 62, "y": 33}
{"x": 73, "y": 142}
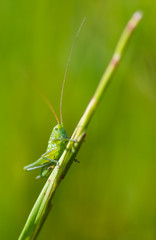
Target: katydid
{"x": 58, "y": 139}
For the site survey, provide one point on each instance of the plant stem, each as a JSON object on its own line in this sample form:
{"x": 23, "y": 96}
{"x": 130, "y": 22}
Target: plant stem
{"x": 43, "y": 203}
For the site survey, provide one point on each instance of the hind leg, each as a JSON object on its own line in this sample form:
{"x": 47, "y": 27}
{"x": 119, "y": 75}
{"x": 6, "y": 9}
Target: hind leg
{"x": 51, "y": 160}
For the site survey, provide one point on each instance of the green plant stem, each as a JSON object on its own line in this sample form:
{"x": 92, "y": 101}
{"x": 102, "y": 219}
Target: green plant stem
{"x": 43, "y": 203}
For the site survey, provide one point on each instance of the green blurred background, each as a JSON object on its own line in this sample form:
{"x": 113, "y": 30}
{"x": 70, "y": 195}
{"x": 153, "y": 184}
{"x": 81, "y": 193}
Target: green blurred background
{"x": 111, "y": 194}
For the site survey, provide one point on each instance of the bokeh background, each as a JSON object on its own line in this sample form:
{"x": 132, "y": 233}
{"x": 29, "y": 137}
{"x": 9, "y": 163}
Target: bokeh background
{"x": 111, "y": 194}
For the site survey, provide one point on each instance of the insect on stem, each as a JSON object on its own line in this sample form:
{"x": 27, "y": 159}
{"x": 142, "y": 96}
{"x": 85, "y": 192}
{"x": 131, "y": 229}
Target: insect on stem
{"x": 77, "y": 34}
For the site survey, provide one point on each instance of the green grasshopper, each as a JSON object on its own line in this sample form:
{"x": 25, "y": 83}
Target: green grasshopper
{"x": 58, "y": 139}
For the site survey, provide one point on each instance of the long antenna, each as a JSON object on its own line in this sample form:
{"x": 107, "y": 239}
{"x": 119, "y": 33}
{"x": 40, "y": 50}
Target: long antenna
{"x": 68, "y": 66}
{"x": 47, "y": 102}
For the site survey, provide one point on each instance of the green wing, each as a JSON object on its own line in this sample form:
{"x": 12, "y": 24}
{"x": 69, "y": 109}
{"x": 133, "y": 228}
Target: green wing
{"x": 44, "y": 160}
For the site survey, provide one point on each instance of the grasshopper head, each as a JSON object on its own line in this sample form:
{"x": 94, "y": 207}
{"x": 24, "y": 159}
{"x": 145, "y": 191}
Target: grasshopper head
{"x": 59, "y": 131}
